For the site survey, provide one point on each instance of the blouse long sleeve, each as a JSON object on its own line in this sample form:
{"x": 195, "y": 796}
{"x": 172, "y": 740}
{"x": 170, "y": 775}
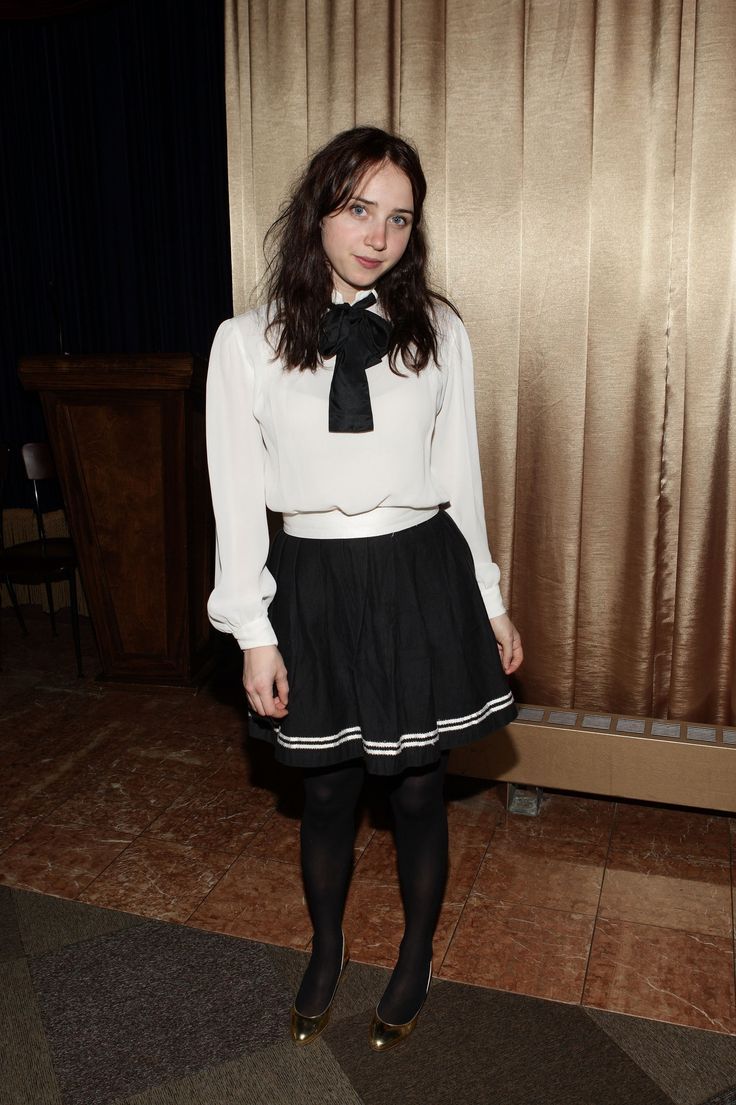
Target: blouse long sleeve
{"x": 235, "y": 452}
{"x": 456, "y": 462}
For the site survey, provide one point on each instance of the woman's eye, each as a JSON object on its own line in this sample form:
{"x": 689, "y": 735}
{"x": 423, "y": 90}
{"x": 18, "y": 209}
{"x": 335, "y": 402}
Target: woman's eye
{"x": 399, "y": 220}
{"x": 357, "y": 209}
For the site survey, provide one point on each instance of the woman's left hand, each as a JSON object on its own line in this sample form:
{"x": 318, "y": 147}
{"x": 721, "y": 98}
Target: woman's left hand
{"x": 509, "y": 642}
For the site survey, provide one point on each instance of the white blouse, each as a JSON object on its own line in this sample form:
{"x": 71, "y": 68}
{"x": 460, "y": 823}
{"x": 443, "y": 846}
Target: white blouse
{"x": 268, "y": 445}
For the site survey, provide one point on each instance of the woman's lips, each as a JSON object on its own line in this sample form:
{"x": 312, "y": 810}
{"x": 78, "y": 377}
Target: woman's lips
{"x": 367, "y": 262}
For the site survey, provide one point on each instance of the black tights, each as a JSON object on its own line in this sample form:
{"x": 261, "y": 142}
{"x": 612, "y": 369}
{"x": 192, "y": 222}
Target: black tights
{"x": 327, "y": 836}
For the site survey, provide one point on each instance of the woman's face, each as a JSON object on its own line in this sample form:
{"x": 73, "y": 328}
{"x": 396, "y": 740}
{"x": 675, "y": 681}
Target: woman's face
{"x": 369, "y": 234}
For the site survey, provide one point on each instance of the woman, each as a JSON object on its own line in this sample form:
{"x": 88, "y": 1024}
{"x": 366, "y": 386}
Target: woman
{"x": 374, "y": 633}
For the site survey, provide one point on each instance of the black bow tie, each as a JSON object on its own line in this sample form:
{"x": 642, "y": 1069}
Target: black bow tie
{"x": 358, "y": 339}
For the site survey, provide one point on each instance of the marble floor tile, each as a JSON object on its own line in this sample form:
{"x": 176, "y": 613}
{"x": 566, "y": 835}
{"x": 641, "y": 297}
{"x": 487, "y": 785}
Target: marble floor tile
{"x": 363, "y": 833}
{"x": 522, "y": 948}
{"x": 465, "y": 861}
{"x": 179, "y": 771}
{"x": 260, "y": 899}
{"x": 378, "y": 863}
{"x": 237, "y": 765}
{"x": 474, "y": 821}
{"x": 119, "y": 803}
{"x": 277, "y": 839}
{"x": 471, "y": 802}
{"x": 59, "y": 860}
{"x": 374, "y": 923}
{"x": 56, "y": 770}
{"x": 53, "y": 760}
{"x": 57, "y": 787}
{"x": 188, "y": 746}
{"x": 564, "y": 817}
{"x": 238, "y": 777}
{"x": 7, "y": 839}
{"x": 543, "y": 871}
{"x": 205, "y": 829}
{"x": 13, "y": 756}
{"x": 18, "y": 780}
{"x": 668, "y": 890}
{"x": 218, "y": 818}
{"x": 156, "y": 878}
{"x": 104, "y": 764}
{"x": 657, "y": 830}
{"x": 19, "y": 813}
{"x": 122, "y": 757}
{"x": 46, "y": 721}
{"x": 681, "y": 977}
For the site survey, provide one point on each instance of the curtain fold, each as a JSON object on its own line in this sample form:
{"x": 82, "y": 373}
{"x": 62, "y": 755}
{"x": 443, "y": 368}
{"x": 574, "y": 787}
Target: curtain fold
{"x": 481, "y": 236}
{"x": 581, "y": 160}
{"x": 551, "y": 409}
{"x": 629, "y": 358}
{"x": 668, "y": 530}
{"x": 702, "y": 666}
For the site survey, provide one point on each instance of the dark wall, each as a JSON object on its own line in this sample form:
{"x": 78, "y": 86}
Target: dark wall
{"x": 113, "y": 187}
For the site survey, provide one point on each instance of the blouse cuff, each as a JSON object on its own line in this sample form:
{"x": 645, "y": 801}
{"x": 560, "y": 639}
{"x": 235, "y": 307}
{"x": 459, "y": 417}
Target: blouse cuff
{"x": 257, "y": 634}
{"x": 493, "y": 602}
{"x": 249, "y": 633}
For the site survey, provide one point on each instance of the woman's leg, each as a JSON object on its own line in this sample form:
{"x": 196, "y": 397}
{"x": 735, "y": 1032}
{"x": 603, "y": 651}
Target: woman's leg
{"x": 421, "y": 843}
{"x": 327, "y": 838}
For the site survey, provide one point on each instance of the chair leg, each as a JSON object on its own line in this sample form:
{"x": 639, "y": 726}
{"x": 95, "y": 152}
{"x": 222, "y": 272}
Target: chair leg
{"x": 75, "y": 621}
{"x": 50, "y": 597}
{"x": 16, "y": 606}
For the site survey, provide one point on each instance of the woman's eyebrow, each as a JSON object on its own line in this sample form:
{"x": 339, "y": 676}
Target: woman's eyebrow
{"x": 372, "y": 203}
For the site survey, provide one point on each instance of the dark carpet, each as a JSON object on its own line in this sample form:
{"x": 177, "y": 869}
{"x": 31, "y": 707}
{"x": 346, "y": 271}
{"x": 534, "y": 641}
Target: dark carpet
{"x": 106, "y": 1008}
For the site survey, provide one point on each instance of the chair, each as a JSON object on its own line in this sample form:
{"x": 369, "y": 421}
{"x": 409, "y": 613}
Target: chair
{"x": 47, "y": 560}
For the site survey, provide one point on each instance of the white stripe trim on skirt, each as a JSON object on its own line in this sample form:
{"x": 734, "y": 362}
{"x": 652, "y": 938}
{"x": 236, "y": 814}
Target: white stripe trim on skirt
{"x": 406, "y": 740}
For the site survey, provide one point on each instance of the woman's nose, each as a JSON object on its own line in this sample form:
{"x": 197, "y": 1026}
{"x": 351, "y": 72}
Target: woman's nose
{"x": 376, "y": 236}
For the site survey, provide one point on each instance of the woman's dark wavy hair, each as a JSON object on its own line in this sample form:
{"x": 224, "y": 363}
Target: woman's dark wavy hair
{"x": 298, "y": 281}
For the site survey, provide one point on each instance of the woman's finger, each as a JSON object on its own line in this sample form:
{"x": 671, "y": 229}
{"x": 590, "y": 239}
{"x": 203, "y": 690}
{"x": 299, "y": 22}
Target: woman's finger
{"x": 516, "y": 656}
{"x": 265, "y": 694}
{"x": 282, "y": 688}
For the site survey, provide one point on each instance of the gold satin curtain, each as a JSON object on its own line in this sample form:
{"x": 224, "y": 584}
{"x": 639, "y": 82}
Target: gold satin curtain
{"x": 581, "y": 159}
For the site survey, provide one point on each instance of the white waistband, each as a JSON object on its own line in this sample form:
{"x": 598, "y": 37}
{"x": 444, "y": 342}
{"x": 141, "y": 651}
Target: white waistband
{"x": 373, "y": 523}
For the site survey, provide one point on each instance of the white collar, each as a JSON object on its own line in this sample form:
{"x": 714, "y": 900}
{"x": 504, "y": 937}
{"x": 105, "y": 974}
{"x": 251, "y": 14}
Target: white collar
{"x": 337, "y": 297}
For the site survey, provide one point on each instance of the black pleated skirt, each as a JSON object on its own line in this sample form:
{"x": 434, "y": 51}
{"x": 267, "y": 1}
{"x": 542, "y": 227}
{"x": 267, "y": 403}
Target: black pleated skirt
{"x": 388, "y": 649}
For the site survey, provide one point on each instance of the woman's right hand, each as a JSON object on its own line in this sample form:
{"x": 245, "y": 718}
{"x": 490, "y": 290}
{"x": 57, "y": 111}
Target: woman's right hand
{"x": 263, "y": 672}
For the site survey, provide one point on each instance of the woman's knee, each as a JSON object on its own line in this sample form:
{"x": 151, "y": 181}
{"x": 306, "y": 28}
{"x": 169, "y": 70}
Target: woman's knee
{"x": 418, "y": 795}
{"x": 330, "y": 794}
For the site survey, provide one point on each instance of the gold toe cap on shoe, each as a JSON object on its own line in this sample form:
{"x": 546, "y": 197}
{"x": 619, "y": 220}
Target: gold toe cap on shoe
{"x": 304, "y": 1030}
{"x": 384, "y": 1036}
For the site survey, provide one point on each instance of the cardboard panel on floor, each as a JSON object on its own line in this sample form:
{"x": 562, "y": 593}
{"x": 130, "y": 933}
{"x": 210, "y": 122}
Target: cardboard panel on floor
{"x": 677, "y": 762}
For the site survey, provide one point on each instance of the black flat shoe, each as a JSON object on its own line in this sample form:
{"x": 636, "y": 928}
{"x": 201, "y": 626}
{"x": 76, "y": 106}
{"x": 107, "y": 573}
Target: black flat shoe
{"x": 383, "y": 1035}
{"x": 305, "y": 1030}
